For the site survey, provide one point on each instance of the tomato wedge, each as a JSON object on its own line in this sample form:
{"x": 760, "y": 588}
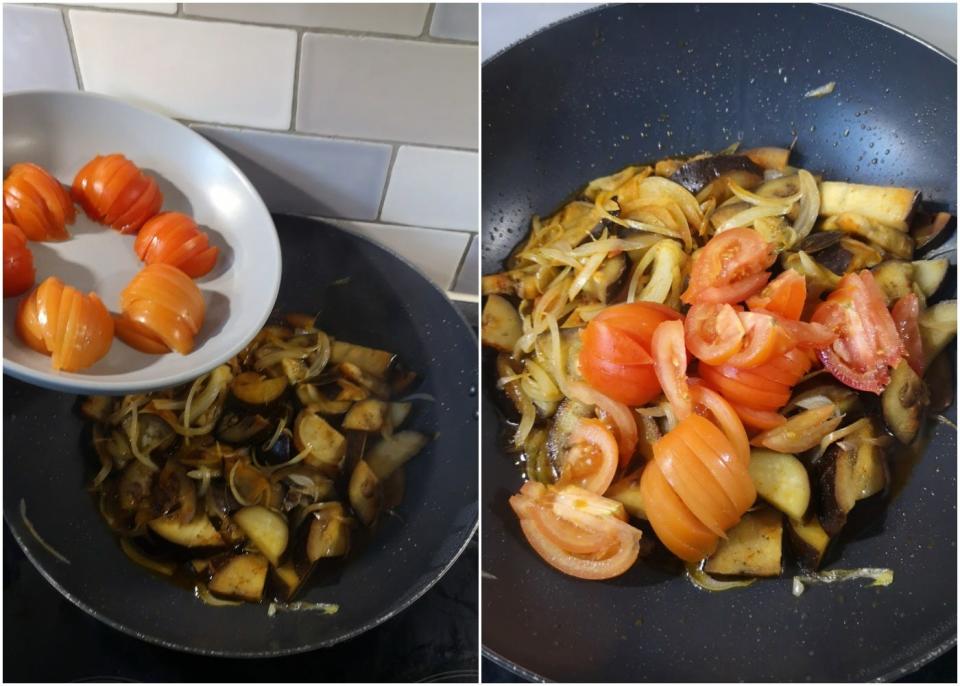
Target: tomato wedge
{"x": 906, "y": 315}
{"x": 670, "y": 364}
{"x": 785, "y": 295}
{"x": 730, "y": 268}
{"x": 138, "y": 336}
{"x": 590, "y": 457}
{"x": 175, "y": 239}
{"x": 710, "y": 404}
{"x": 165, "y": 301}
{"x": 867, "y": 343}
{"x": 37, "y": 203}
{"x": 615, "y": 413}
{"x": 575, "y": 531}
{"x": 713, "y": 449}
{"x": 76, "y": 330}
{"x": 18, "y": 270}
{"x": 713, "y": 332}
{"x": 113, "y": 190}
{"x": 760, "y": 420}
{"x": 731, "y": 385}
{"x": 672, "y": 521}
{"x": 764, "y": 338}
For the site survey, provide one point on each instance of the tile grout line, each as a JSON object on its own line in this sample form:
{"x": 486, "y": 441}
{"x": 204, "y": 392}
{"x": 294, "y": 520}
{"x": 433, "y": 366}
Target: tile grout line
{"x": 462, "y": 262}
{"x": 390, "y": 226}
{"x": 428, "y": 20}
{"x": 324, "y": 136}
{"x": 386, "y": 182}
{"x": 296, "y": 82}
{"x": 68, "y": 27}
{"x": 320, "y": 30}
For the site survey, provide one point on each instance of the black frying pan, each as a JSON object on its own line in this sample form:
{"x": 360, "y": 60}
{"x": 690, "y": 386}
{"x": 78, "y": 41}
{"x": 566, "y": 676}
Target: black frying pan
{"x": 634, "y": 83}
{"x": 385, "y": 303}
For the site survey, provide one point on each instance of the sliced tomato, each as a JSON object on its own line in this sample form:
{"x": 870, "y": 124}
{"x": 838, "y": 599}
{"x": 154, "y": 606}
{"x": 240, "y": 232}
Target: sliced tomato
{"x": 713, "y": 449}
{"x": 113, "y": 190}
{"x": 18, "y": 270}
{"x": 713, "y": 332}
{"x": 806, "y": 334}
{"x": 760, "y": 420}
{"x": 38, "y": 203}
{"x": 634, "y": 385}
{"x": 590, "y": 457}
{"x": 27, "y": 326}
{"x": 615, "y": 413}
{"x": 612, "y": 345}
{"x": 867, "y": 343}
{"x": 732, "y": 386}
{"x": 786, "y": 369}
{"x": 906, "y": 315}
{"x": 167, "y": 302}
{"x": 763, "y": 339}
{"x": 175, "y": 239}
{"x": 730, "y": 267}
{"x": 138, "y": 336}
{"x": 670, "y": 363}
{"x": 784, "y": 296}
{"x": 55, "y": 198}
{"x": 710, "y": 404}
{"x": 672, "y": 521}
{"x": 576, "y": 531}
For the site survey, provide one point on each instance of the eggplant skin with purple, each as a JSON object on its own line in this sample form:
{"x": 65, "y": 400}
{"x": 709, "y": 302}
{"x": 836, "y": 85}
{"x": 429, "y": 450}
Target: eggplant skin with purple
{"x": 241, "y": 484}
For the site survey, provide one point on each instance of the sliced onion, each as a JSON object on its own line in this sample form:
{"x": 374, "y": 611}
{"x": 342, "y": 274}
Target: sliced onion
{"x": 33, "y": 532}
{"x": 748, "y": 216}
{"x": 204, "y": 594}
{"x": 131, "y": 551}
{"x": 538, "y": 385}
{"x": 802, "y": 431}
{"x": 705, "y": 582}
{"x": 589, "y": 268}
{"x": 303, "y": 606}
{"x": 809, "y": 204}
{"x": 761, "y": 200}
{"x": 881, "y": 576}
{"x": 839, "y": 434}
{"x": 617, "y": 413}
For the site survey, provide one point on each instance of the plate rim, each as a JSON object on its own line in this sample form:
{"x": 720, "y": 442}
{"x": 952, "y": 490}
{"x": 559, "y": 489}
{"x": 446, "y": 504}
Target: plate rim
{"x": 898, "y": 672}
{"x": 63, "y": 381}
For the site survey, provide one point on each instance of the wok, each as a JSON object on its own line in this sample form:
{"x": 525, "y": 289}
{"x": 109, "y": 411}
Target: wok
{"x": 634, "y": 83}
{"x": 363, "y": 294}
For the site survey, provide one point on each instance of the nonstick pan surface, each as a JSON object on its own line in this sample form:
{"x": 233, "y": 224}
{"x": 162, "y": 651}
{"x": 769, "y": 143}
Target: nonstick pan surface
{"x": 634, "y": 83}
{"x": 363, "y": 294}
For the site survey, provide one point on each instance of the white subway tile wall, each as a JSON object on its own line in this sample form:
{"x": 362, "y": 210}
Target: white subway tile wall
{"x": 365, "y": 114}
{"x": 36, "y": 53}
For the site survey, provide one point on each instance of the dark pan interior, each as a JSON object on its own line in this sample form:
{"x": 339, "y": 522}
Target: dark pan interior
{"x": 363, "y": 294}
{"x": 634, "y": 83}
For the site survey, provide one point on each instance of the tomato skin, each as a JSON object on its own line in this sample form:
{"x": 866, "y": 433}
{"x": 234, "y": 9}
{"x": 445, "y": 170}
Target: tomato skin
{"x": 906, "y": 315}
{"x": 590, "y": 458}
{"x": 614, "y": 358}
{"x": 167, "y": 302}
{"x": 138, "y": 336}
{"x": 733, "y": 388}
{"x": 784, "y": 296}
{"x": 867, "y": 342}
{"x": 580, "y": 542}
{"x": 712, "y": 405}
{"x": 763, "y": 340}
{"x": 175, "y": 239}
{"x": 730, "y": 268}
{"x": 760, "y": 420}
{"x": 37, "y": 203}
{"x": 716, "y": 453}
{"x": 19, "y": 273}
{"x": 675, "y": 526}
{"x": 713, "y": 332}
{"x": 612, "y": 412}
{"x": 670, "y": 364}
{"x": 76, "y": 330}
{"x": 112, "y": 190}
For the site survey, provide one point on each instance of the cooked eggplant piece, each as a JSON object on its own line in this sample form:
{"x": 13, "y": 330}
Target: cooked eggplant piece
{"x": 926, "y": 232}
{"x": 627, "y": 491}
{"x": 904, "y": 403}
{"x": 783, "y": 187}
{"x": 256, "y": 389}
{"x": 777, "y": 231}
{"x": 321, "y": 404}
{"x": 821, "y": 240}
{"x": 241, "y": 576}
{"x": 781, "y": 480}
{"x": 266, "y": 529}
{"x": 301, "y": 321}
{"x": 392, "y": 452}
{"x": 819, "y": 278}
{"x": 808, "y": 541}
{"x": 294, "y": 369}
{"x": 96, "y": 407}
{"x": 329, "y": 534}
{"x": 248, "y": 484}
{"x": 243, "y": 429}
{"x": 846, "y": 399}
{"x": 500, "y": 325}
{"x": 839, "y": 489}
{"x": 897, "y": 278}
{"x": 154, "y": 434}
{"x": 602, "y": 286}
{"x": 938, "y": 326}
{"x": 393, "y": 489}
{"x": 372, "y": 384}
{"x": 370, "y": 360}
{"x": 199, "y": 533}
{"x": 539, "y": 467}
{"x": 895, "y": 242}
{"x": 769, "y": 157}
{"x": 648, "y": 435}
{"x": 929, "y": 274}
{"x": 328, "y": 446}
{"x": 727, "y": 210}
{"x": 134, "y": 485}
{"x": 174, "y": 493}
{"x": 366, "y": 493}
{"x": 754, "y": 547}
{"x": 350, "y": 391}
{"x": 835, "y": 258}
{"x": 397, "y": 414}
{"x": 288, "y": 579}
{"x": 276, "y": 451}
{"x": 870, "y": 470}
{"x": 695, "y": 174}
{"x": 939, "y": 377}
{"x": 888, "y": 205}
{"x": 366, "y": 415}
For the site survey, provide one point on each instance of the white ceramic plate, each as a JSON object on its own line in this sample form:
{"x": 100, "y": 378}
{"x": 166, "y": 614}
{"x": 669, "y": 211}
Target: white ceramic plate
{"x": 61, "y": 132}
